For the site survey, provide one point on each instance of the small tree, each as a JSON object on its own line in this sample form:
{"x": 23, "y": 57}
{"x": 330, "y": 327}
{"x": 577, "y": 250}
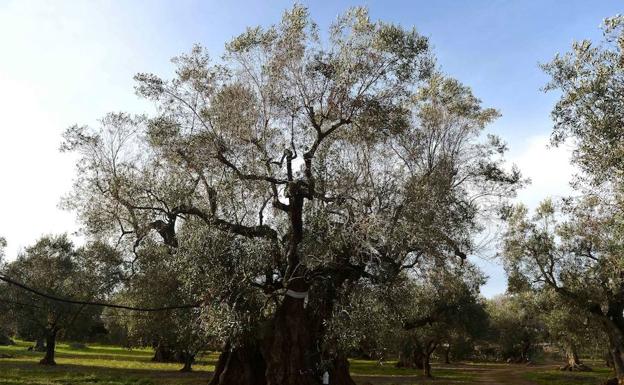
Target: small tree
{"x": 443, "y": 305}
{"x": 516, "y": 327}
{"x": 176, "y": 335}
{"x": 54, "y": 267}
{"x": 570, "y": 327}
{"x": 5, "y": 303}
{"x": 575, "y": 247}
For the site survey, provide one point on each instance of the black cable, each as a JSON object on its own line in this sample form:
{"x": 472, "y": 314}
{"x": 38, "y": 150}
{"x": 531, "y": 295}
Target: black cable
{"x": 94, "y": 303}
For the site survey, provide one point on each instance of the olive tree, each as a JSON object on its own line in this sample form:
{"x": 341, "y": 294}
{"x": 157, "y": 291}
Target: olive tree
{"x": 515, "y": 326}
{"x": 572, "y": 328}
{"x": 176, "y": 334}
{"x": 575, "y": 247}
{"x": 315, "y": 164}
{"x": 440, "y": 306}
{"x": 5, "y": 303}
{"x": 54, "y": 267}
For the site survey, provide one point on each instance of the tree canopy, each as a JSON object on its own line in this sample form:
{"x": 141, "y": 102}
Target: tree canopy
{"x": 300, "y": 166}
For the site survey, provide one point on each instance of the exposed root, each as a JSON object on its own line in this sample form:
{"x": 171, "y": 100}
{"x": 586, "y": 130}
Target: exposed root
{"x": 580, "y": 367}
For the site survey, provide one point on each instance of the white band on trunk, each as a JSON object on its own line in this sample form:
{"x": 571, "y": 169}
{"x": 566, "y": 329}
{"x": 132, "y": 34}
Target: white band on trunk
{"x": 296, "y": 294}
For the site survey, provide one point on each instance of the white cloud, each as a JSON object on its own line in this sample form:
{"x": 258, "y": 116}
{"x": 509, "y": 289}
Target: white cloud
{"x": 549, "y": 169}
{"x": 551, "y": 172}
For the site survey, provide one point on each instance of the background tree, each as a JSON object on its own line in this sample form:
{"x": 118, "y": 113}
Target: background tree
{"x": 5, "y": 304}
{"x": 326, "y": 162}
{"x": 409, "y": 319}
{"x": 575, "y": 247}
{"x": 176, "y": 335}
{"x": 53, "y": 266}
{"x": 441, "y": 305}
{"x": 571, "y": 328}
{"x": 516, "y": 327}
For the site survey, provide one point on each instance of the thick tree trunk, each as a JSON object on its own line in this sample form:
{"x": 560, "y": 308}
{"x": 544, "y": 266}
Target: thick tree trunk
{"x": 240, "y": 366}
{"x": 525, "y": 353}
{"x": 618, "y": 362}
{"x": 48, "y": 359}
{"x": 288, "y": 353}
{"x": 427, "y": 365}
{"x": 5, "y": 340}
{"x": 608, "y": 359}
{"x": 39, "y": 345}
{"x": 613, "y": 323}
{"x": 429, "y": 348}
{"x": 187, "y": 359}
{"x": 287, "y": 348}
{"x": 339, "y": 374}
{"x": 410, "y": 359}
{"x": 162, "y": 353}
{"x": 417, "y": 356}
{"x": 573, "y": 363}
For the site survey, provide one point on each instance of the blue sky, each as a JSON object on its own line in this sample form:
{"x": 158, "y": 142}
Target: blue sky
{"x": 65, "y": 62}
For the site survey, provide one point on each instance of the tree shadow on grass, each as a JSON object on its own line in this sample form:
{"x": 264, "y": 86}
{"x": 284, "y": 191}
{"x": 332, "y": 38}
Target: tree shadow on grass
{"x": 21, "y": 372}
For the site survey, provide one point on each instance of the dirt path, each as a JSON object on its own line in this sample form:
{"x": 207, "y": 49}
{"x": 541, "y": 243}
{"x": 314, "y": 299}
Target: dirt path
{"x": 503, "y": 374}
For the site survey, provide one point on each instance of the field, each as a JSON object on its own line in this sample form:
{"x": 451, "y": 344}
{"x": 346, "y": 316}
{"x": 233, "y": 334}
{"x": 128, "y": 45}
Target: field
{"x": 108, "y": 365}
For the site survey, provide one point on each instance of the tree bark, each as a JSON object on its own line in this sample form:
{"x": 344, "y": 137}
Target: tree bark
{"x": 162, "y": 353}
{"x": 613, "y": 323}
{"x": 525, "y": 353}
{"x": 608, "y": 359}
{"x": 339, "y": 374}
{"x": 417, "y": 356}
{"x": 242, "y": 365}
{"x": 573, "y": 362}
{"x": 289, "y": 353}
{"x": 426, "y": 365}
{"x": 287, "y": 348}
{"x": 48, "y": 359}
{"x": 188, "y": 360}
{"x": 39, "y": 345}
{"x": 429, "y": 348}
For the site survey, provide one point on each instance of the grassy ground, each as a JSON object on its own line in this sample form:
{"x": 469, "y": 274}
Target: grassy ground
{"x": 104, "y": 365}
{"x": 109, "y": 365}
{"x": 556, "y": 377}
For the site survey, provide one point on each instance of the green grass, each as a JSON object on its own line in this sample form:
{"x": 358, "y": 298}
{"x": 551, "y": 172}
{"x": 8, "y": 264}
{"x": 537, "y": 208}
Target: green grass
{"x": 389, "y": 369}
{"x": 102, "y": 365}
{"x": 112, "y": 365}
{"x": 557, "y": 377}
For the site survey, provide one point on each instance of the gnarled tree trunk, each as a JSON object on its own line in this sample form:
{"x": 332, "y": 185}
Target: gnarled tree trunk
{"x": 339, "y": 373}
{"x": 162, "y": 353}
{"x": 188, "y": 359}
{"x": 242, "y": 365}
{"x": 447, "y": 354}
{"x": 417, "y": 356}
{"x": 39, "y": 345}
{"x": 48, "y": 359}
{"x": 573, "y": 362}
{"x": 288, "y": 354}
{"x": 613, "y": 323}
